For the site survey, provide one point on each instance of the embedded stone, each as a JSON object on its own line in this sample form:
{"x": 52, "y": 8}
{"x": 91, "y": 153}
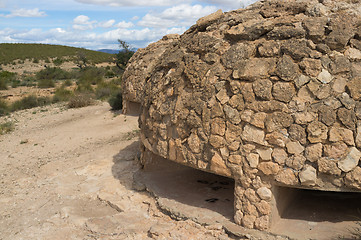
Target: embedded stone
{"x": 218, "y": 165}
{"x": 278, "y": 138}
{"x": 327, "y": 115}
{"x": 258, "y": 119}
{"x": 283, "y": 91}
{"x": 347, "y": 117}
{"x": 324, "y": 76}
{"x": 341, "y": 134}
{"x": 269, "y": 49}
{"x": 232, "y": 114}
{"x": 350, "y": 161}
{"x": 305, "y": 117}
{"x": 216, "y": 141}
{"x": 347, "y": 101}
{"x": 286, "y": 69}
{"x": 296, "y": 162}
{"x": 248, "y": 221}
{"x": 235, "y": 159}
{"x": 253, "y": 160}
{"x": 328, "y": 166}
{"x": 269, "y": 168}
{"x": 354, "y": 87}
{"x": 278, "y": 120}
{"x": 317, "y": 132}
{"x": 311, "y": 67}
{"x": 262, "y": 88}
{"x": 294, "y": 147}
{"x": 297, "y": 133}
{"x": 253, "y": 134}
{"x": 262, "y": 223}
{"x": 341, "y": 64}
{"x": 313, "y": 152}
{"x": 264, "y": 193}
{"x": 222, "y": 96}
{"x": 353, "y": 178}
{"x": 308, "y": 176}
{"x": 265, "y": 154}
{"x": 218, "y": 126}
{"x": 335, "y": 151}
{"x": 194, "y": 143}
{"x": 263, "y": 207}
{"x": 279, "y": 155}
{"x": 287, "y": 177}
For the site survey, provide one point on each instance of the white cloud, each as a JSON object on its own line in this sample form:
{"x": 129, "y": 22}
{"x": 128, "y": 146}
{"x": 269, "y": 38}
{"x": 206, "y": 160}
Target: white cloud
{"x": 22, "y": 12}
{"x": 106, "y": 24}
{"x": 181, "y": 15}
{"x": 124, "y": 24}
{"x": 127, "y": 3}
{"x": 82, "y": 23}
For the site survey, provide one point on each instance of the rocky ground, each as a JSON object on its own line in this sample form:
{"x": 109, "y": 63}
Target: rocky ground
{"x": 68, "y": 174}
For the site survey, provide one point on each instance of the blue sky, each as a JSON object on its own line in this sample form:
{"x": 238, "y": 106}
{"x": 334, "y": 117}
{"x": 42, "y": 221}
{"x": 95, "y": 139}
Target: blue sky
{"x": 97, "y": 24}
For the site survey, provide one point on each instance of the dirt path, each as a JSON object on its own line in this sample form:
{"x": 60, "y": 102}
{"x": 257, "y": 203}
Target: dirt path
{"x": 67, "y": 174}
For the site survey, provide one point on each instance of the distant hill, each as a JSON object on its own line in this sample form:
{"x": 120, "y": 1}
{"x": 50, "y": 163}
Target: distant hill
{"x": 110, "y": 51}
{"x": 12, "y": 51}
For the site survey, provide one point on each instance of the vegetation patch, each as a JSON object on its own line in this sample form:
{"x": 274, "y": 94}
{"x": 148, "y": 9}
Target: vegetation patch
{"x": 30, "y": 102}
{"x": 6, "y": 127}
{"x": 80, "y": 100}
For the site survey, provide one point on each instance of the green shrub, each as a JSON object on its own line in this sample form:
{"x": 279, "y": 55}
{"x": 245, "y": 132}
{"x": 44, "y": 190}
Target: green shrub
{"x": 58, "y": 61}
{"x": 80, "y": 100}
{"x": 62, "y": 95}
{"x": 3, "y": 84}
{"x": 47, "y": 60}
{"x": 28, "y": 81}
{"x": 6, "y": 78}
{"x": 35, "y": 60}
{"x": 6, "y": 127}
{"x": 106, "y": 89}
{"x": 30, "y": 102}
{"x": 67, "y": 83}
{"x": 4, "y": 108}
{"x": 91, "y": 75}
{"x": 46, "y": 83}
{"x": 52, "y": 73}
{"x": 116, "y": 101}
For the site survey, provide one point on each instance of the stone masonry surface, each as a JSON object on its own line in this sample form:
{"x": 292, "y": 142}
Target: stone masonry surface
{"x": 269, "y": 95}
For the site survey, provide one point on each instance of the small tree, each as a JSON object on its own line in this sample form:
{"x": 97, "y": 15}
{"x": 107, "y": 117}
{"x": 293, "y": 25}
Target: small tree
{"x": 123, "y": 56}
{"x": 82, "y": 60}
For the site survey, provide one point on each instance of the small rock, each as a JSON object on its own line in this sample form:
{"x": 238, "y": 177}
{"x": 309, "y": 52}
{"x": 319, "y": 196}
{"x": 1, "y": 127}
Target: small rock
{"x": 341, "y": 134}
{"x": 287, "y": 177}
{"x": 253, "y": 160}
{"x": 351, "y": 160}
{"x": 313, "y": 152}
{"x": 317, "y": 132}
{"x": 269, "y": 168}
{"x": 294, "y": 148}
{"x": 264, "y": 193}
{"x": 265, "y": 154}
{"x": 253, "y": 134}
{"x": 279, "y": 155}
{"x": 324, "y": 76}
{"x": 308, "y": 176}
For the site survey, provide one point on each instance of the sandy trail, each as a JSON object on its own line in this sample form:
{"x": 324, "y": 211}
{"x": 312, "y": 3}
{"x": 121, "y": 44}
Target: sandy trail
{"x": 67, "y": 174}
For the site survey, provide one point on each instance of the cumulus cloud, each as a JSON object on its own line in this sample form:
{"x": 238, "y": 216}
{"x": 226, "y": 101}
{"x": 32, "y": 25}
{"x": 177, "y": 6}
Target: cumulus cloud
{"x": 106, "y": 24}
{"x": 126, "y": 3}
{"x": 82, "y": 23}
{"x": 124, "y": 24}
{"x": 180, "y": 15}
{"x": 22, "y": 12}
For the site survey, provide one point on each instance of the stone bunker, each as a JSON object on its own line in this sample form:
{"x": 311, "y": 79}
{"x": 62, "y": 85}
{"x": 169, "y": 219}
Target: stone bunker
{"x": 268, "y": 96}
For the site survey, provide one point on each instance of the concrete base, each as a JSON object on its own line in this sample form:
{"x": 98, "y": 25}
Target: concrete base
{"x": 186, "y": 193}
